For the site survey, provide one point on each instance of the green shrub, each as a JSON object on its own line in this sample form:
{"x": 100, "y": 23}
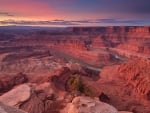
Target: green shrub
{"x": 76, "y": 85}
{"x": 88, "y": 92}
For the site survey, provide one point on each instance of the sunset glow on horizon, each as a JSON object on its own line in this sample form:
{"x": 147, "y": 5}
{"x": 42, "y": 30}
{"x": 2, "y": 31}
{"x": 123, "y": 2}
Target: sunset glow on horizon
{"x": 74, "y": 12}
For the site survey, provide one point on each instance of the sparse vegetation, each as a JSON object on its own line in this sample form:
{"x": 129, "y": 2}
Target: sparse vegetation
{"x": 75, "y": 85}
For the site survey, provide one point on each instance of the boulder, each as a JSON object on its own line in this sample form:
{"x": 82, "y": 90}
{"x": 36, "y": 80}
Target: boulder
{"x": 88, "y": 105}
{"x": 124, "y": 112}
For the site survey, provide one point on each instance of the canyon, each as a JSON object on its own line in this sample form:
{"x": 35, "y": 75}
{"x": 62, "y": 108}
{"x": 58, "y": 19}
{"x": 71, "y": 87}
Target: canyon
{"x": 75, "y": 70}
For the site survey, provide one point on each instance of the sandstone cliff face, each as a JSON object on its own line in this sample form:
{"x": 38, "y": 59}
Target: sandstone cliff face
{"x": 111, "y": 29}
{"x": 100, "y": 42}
{"x": 141, "y": 48}
{"x": 137, "y": 74}
{"x": 126, "y": 41}
{"x": 87, "y": 43}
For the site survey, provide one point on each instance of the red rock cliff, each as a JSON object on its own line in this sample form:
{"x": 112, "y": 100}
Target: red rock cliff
{"x": 137, "y": 74}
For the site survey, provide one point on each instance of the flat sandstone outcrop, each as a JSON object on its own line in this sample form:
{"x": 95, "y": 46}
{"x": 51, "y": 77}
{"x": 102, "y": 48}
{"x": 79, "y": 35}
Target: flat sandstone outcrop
{"x": 16, "y": 96}
{"x": 8, "y": 109}
{"x": 88, "y": 105}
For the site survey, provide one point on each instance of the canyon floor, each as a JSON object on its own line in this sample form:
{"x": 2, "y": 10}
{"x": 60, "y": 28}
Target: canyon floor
{"x": 75, "y": 70}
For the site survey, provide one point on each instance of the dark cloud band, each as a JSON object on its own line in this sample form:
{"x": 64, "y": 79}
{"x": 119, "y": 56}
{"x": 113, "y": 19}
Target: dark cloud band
{"x": 5, "y": 14}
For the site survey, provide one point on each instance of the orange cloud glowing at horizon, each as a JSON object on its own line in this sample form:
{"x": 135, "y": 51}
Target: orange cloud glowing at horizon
{"x": 28, "y": 10}
{"x": 75, "y": 10}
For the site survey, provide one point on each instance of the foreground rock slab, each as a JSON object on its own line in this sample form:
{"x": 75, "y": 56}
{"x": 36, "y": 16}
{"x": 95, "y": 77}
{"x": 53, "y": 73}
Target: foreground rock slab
{"x": 88, "y": 105}
{"x": 124, "y": 112}
{"x": 8, "y": 109}
{"x": 16, "y": 96}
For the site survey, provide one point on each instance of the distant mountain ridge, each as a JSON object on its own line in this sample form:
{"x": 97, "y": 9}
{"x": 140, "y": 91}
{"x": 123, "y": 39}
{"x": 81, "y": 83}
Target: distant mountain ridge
{"x": 31, "y": 28}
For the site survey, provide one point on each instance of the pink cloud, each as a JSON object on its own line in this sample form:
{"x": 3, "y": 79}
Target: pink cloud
{"x": 27, "y": 8}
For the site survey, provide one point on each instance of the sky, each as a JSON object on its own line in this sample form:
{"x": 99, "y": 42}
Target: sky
{"x": 74, "y": 12}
